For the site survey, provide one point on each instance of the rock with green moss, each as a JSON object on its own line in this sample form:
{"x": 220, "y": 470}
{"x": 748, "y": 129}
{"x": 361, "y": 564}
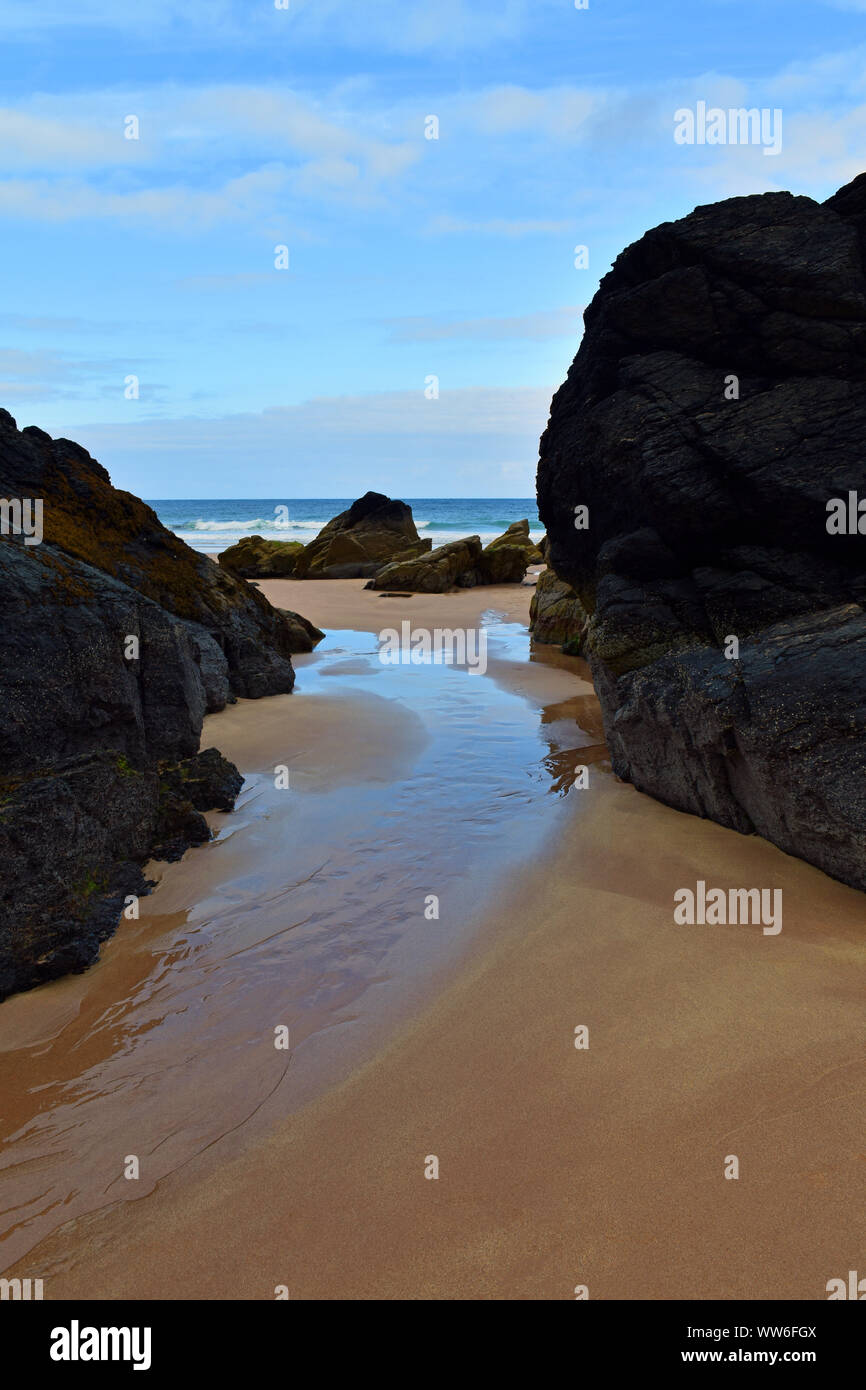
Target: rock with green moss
{"x": 253, "y": 557}
{"x": 435, "y": 573}
{"x": 372, "y": 532}
{"x": 518, "y": 535}
{"x": 556, "y": 614}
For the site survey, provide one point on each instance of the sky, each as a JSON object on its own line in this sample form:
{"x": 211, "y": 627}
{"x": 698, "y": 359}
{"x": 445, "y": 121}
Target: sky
{"x": 427, "y": 299}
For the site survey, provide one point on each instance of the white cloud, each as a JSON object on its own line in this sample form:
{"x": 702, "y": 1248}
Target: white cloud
{"x": 68, "y": 158}
{"x": 396, "y": 441}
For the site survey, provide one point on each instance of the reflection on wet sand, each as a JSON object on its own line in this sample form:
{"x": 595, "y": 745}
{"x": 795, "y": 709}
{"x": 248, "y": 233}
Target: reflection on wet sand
{"x": 308, "y": 910}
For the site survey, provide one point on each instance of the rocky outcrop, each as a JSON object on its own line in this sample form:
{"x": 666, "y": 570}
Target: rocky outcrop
{"x": 716, "y": 407}
{"x": 556, "y": 614}
{"x": 435, "y": 573}
{"x": 517, "y": 536}
{"x": 115, "y": 640}
{"x": 253, "y": 557}
{"x": 463, "y": 564}
{"x": 355, "y": 544}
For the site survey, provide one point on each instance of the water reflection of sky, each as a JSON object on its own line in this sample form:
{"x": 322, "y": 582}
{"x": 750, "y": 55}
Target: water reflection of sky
{"x": 407, "y": 782}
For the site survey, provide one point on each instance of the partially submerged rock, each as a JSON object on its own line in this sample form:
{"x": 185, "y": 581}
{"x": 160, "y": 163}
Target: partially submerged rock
{"x": 716, "y": 407}
{"x": 355, "y": 544}
{"x": 253, "y": 557}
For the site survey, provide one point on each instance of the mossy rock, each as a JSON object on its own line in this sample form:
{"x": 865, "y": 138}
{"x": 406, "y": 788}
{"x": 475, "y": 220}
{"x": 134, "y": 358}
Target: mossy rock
{"x": 253, "y": 557}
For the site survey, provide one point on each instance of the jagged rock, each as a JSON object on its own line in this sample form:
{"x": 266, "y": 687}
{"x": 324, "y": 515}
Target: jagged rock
{"x": 88, "y": 519}
{"x": 505, "y": 560}
{"x": 506, "y": 564}
{"x": 518, "y": 535}
{"x": 253, "y": 557}
{"x": 463, "y": 564}
{"x": 207, "y": 782}
{"x": 556, "y": 614}
{"x": 435, "y": 573}
{"x": 355, "y": 544}
{"x": 716, "y": 406}
{"x": 85, "y": 722}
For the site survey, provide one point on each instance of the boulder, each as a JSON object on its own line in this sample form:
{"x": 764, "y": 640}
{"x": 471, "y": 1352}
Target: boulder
{"x": 253, "y": 557}
{"x": 714, "y": 411}
{"x": 556, "y": 614}
{"x": 354, "y": 545}
{"x": 518, "y": 535}
{"x": 304, "y": 634}
{"x": 116, "y": 640}
{"x": 504, "y": 564}
{"x": 435, "y": 573}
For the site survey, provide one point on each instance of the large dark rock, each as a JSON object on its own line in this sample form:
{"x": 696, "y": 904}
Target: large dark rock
{"x": 355, "y": 544}
{"x": 707, "y": 516}
{"x": 89, "y": 730}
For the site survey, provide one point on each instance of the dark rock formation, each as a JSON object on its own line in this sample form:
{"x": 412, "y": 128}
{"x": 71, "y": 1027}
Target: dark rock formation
{"x": 435, "y": 573}
{"x": 463, "y": 564}
{"x": 355, "y": 544}
{"x": 304, "y": 634}
{"x": 556, "y": 614}
{"x": 115, "y": 640}
{"x": 716, "y": 406}
{"x": 255, "y": 558}
{"x": 207, "y": 782}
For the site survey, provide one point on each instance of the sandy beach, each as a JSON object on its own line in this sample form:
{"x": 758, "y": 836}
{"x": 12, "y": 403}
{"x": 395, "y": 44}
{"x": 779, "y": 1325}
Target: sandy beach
{"x": 558, "y": 1167}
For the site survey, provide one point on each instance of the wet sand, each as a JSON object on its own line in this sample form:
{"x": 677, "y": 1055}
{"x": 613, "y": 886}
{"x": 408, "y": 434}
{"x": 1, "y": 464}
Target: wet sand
{"x": 307, "y": 912}
{"x": 558, "y": 1167}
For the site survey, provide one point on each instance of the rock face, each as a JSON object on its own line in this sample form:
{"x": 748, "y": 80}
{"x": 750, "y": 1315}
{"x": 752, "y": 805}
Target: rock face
{"x": 255, "y": 558}
{"x": 359, "y": 541}
{"x": 115, "y": 640}
{"x": 707, "y": 516}
{"x": 556, "y": 614}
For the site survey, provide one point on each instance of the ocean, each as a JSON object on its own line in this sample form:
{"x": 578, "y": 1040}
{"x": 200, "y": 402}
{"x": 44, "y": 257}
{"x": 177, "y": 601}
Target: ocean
{"x": 213, "y": 524}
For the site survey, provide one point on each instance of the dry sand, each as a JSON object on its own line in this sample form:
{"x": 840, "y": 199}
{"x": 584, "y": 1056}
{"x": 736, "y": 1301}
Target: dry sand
{"x": 558, "y": 1167}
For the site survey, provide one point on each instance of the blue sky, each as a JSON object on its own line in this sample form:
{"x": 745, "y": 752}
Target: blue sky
{"x": 409, "y": 258}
